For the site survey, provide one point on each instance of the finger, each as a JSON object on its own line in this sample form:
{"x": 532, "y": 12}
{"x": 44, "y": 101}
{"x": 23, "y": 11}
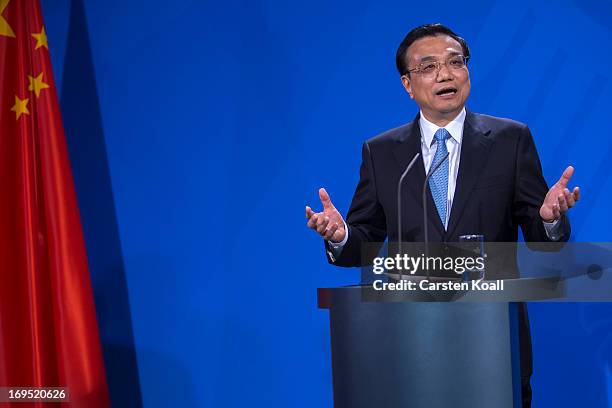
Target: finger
{"x": 562, "y": 203}
{"x": 321, "y": 219}
{"x": 565, "y": 177}
{"x": 308, "y": 212}
{"x": 330, "y": 232}
{"x": 576, "y": 193}
{"x": 322, "y": 226}
{"x": 312, "y": 222}
{"x": 556, "y": 211}
{"x": 569, "y": 198}
{"x": 340, "y": 233}
{"x": 325, "y": 200}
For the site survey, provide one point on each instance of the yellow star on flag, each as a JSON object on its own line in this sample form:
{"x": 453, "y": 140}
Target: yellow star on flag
{"x": 41, "y": 39}
{"x": 5, "y": 28}
{"x": 37, "y": 84}
{"x": 20, "y": 107}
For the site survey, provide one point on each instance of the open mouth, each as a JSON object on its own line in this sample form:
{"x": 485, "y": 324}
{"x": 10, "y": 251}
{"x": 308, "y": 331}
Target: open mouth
{"x": 446, "y": 91}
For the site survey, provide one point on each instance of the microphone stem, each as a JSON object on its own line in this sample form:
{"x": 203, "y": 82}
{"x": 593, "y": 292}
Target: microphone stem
{"x": 399, "y": 207}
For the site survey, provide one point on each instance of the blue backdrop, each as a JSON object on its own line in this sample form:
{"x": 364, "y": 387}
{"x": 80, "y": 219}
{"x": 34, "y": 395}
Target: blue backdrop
{"x": 199, "y": 130}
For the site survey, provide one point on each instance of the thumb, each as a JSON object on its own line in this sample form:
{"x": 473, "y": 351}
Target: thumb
{"x": 565, "y": 177}
{"x": 325, "y": 200}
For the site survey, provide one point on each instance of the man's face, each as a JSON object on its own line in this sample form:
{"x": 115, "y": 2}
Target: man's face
{"x": 442, "y": 94}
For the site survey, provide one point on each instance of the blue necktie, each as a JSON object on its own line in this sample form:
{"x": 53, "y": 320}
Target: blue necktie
{"x": 438, "y": 182}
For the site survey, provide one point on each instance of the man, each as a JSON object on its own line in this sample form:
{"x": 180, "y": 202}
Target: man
{"x": 490, "y": 183}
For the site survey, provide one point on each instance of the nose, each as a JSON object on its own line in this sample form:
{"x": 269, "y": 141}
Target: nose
{"x": 444, "y": 73}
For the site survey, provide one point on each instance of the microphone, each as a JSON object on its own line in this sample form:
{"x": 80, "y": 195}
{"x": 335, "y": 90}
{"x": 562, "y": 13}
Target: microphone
{"x": 399, "y": 206}
{"x": 432, "y": 170}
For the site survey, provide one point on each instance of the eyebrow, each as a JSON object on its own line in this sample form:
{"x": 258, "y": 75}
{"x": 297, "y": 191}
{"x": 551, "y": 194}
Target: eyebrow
{"x": 432, "y": 58}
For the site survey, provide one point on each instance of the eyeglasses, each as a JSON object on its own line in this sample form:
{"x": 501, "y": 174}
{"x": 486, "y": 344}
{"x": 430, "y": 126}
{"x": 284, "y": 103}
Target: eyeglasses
{"x": 429, "y": 68}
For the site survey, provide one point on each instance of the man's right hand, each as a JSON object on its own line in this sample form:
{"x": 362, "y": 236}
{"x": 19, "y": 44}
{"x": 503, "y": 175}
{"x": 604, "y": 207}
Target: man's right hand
{"x": 328, "y": 223}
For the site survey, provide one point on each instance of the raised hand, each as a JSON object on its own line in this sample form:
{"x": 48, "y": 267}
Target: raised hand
{"x": 329, "y": 223}
{"x": 559, "y": 199}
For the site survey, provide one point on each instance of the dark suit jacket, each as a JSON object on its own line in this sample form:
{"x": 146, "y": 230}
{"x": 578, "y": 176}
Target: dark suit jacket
{"x": 499, "y": 188}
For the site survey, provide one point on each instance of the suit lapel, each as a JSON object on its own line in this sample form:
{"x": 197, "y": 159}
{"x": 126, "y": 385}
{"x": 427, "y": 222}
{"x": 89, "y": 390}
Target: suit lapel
{"x": 409, "y": 144}
{"x": 475, "y": 147}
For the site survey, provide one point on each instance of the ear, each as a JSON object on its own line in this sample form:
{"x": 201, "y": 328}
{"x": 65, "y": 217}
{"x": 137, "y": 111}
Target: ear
{"x": 407, "y": 85}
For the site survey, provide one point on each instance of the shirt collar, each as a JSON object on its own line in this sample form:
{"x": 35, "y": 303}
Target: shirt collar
{"x": 454, "y": 127}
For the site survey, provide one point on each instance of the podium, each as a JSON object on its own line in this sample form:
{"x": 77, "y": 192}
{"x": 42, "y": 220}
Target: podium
{"x": 412, "y": 351}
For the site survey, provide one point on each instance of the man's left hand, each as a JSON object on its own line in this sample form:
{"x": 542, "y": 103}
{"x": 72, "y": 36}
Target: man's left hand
{"x": 559, "y": 199}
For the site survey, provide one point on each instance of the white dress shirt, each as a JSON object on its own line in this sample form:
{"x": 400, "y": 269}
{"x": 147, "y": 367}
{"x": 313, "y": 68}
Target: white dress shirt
{"x": 453, "y": 144}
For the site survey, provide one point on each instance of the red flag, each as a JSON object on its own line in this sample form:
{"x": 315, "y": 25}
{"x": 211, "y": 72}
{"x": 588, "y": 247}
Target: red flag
{"x": 48, "y": 329}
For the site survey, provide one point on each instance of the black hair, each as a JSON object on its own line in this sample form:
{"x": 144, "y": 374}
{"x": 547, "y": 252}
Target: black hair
{"x": 426, "y": 30}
